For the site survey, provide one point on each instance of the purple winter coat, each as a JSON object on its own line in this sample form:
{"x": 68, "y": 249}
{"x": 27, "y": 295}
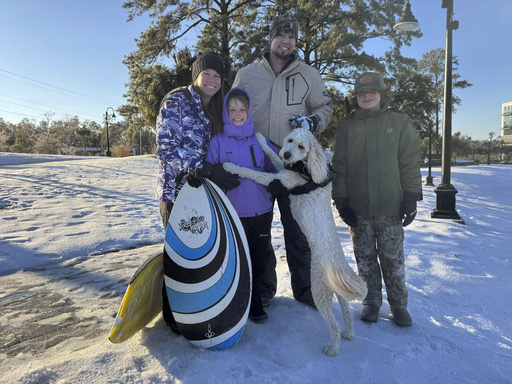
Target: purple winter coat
{"x": 238, "y": 145}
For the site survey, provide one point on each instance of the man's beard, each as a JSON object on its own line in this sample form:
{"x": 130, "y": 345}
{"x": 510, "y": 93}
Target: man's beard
{"x": 281, "y": 55}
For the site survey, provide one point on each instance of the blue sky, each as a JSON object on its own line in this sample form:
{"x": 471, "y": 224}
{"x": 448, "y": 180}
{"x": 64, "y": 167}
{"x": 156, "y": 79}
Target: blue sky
{"x": 483, "y": 45}
{"x": 66, "y": 57}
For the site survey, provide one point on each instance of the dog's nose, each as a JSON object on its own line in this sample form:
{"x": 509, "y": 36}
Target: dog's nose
{"x": 287, "y": 155}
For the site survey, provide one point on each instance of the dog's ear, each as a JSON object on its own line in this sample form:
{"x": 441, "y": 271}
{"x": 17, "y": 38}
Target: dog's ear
{"x": 317, "y": 162}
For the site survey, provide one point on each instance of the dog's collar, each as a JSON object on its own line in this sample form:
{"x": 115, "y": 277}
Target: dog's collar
{"x": 310, "y": 186}
{"x": 300, "y": 168}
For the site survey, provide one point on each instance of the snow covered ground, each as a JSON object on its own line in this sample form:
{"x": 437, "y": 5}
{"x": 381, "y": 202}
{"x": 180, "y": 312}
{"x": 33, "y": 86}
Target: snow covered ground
{"x": 74, "y": 229}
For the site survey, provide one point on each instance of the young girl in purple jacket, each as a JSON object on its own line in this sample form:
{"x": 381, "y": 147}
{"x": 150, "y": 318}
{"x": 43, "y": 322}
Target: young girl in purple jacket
{"x": 237, "y": 143}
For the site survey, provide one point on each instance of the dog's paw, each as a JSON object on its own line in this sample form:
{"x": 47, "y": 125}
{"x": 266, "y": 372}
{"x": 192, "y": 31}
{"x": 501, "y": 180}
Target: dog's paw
{"x": 261, "y": 138}
{"x": 348, "y": 334}
{"x": 330, "y": 350}
{"x": 264, "y": 145}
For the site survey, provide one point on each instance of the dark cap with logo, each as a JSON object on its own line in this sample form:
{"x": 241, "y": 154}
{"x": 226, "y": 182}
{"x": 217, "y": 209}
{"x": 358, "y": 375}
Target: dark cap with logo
{"x": 370, "y": 80}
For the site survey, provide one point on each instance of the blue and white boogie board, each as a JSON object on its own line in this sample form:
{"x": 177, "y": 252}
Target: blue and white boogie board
{"x": 207, "y": 268}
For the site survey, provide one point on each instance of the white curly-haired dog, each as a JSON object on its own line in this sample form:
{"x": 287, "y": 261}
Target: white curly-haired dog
{"x": 304, "y": 169}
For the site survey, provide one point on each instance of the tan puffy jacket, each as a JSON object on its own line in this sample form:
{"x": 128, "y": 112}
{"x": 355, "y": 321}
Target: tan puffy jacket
{"x": 298, "y": 89}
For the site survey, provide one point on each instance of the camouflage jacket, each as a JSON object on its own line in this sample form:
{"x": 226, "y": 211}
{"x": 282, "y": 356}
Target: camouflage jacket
{"x": 183, "y": 137}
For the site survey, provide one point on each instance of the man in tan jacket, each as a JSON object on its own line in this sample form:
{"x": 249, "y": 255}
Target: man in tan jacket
{"x": 286, "y": 94}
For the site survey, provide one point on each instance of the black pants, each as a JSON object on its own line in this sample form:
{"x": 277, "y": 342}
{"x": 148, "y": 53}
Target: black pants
{"x": 165, "y": 212}
{"x": 298, "y": 254}
{"x": 263, "y": 260}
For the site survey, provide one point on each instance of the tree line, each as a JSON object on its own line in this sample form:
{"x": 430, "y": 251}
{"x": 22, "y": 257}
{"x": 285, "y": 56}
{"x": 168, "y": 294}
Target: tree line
{"x": 69, "y": 136}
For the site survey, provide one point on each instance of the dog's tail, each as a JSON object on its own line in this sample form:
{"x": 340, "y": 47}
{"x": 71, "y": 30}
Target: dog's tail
{"x": 345, "y": 282}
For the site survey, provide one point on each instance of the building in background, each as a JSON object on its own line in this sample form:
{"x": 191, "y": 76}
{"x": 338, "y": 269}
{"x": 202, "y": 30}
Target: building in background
{"x": 506, "y": 122}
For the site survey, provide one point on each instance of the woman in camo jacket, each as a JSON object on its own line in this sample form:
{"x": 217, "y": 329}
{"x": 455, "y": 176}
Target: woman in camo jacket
{"x": 187, "y": 119}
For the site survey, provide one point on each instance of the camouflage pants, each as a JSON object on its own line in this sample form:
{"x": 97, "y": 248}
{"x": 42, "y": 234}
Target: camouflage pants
{"x": 379, "y": 246}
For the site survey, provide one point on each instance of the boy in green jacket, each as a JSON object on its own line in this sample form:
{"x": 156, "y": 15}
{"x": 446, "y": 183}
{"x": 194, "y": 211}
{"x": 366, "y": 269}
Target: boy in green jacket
{"x": 378, "y": 181}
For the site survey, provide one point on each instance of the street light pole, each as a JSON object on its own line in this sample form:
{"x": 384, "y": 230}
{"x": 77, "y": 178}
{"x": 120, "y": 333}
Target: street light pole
{"x": 106, "y": 122}
{"x": 429, "y": 180}
{"x": 445, "y": 192}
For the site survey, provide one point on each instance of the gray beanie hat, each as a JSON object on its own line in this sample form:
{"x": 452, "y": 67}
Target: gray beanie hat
{"x": 208, "y": 60}
{"x": 284, "y": 23}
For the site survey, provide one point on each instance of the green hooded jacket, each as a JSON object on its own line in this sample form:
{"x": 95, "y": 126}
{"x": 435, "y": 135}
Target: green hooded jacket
{"x": 376, "y": 161}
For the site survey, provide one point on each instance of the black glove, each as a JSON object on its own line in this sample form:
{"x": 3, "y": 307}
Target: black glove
{"x": 194, "y": 177}
{"x": 408, "y": 209}
{"x": 220, "y": 176}
{"x": 277, "y": 189}
{"x": 346, "y": 213}
{"x": 313, "y": 122}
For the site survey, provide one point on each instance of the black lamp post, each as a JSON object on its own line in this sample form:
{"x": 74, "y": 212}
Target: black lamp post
{"x": 429, "y": 180}
{"x": 408, "y": 22}
{"x": 445, "y": 192}
{"x": 106, "y": 122}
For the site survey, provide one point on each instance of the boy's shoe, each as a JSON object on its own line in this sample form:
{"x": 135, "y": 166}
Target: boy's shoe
{"x": 266, "y": 302}
{"x": 370, "y": 313}
{"x": 258, "y": 316}
{"x": 311, "y": 303}
{"x": 401, "y": 317}
{"x": 256, "y": 313}
{"x": 308, "y": 300}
